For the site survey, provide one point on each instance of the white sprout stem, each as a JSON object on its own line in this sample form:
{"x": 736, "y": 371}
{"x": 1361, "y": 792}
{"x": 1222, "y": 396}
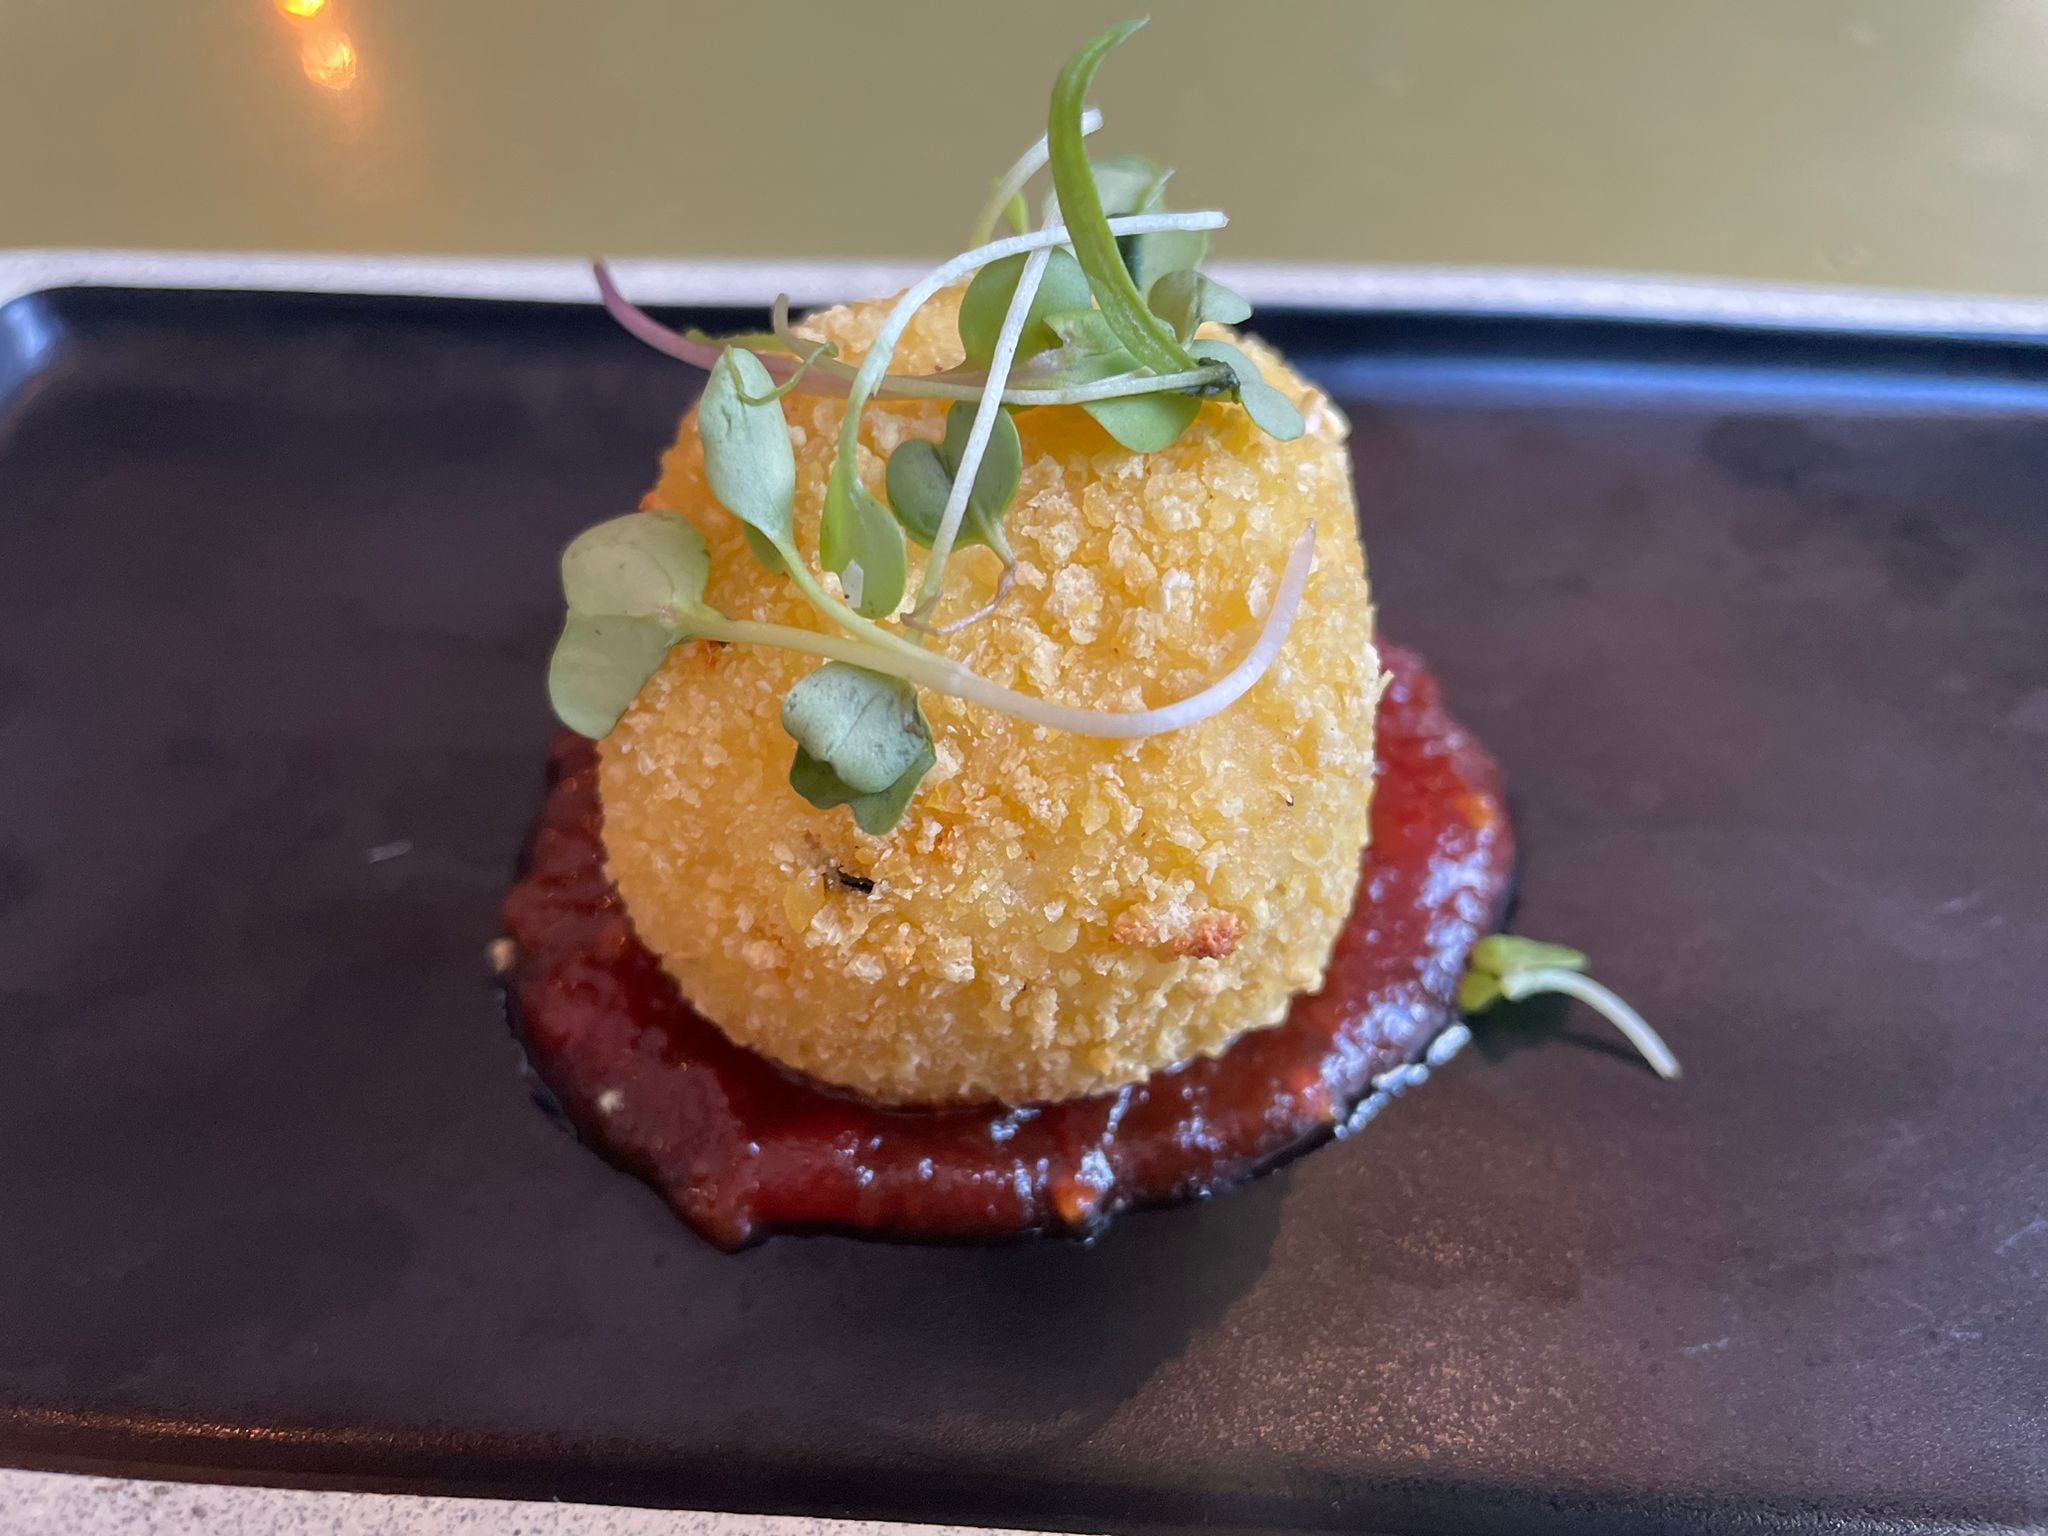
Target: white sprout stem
{"x": 1018, "y": 177}
{"x": 788, "y": 637}
{"x": 1003, "y": 586}
{"x": 984, "y": 427}
{"x": 949, "y": 677}
{"x": 1113, "y": 388}
{"x": 1516, "y": 985}
{"x": 914, "y": 386}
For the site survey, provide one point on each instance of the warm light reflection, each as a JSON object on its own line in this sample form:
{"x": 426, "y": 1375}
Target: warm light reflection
{"x": 302, "y": 8}
{"x": 329, "y": 61}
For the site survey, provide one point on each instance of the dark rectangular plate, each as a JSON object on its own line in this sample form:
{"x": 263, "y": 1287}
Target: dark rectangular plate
{"x": 1758, "y": 622}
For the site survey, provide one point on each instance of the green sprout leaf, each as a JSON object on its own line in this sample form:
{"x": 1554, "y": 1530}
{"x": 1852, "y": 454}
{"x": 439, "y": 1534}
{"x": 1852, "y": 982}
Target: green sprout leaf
{"x": 861, "y": 741}
{"x": 1506, "y": 968}
{"x": 1146, "y": 423}
{"x": 919, "y": 482}
{"x": 643, "y": 565}
{"x": 864, "y": 725}
{"x": 987, "y": 301}
{"x": 1154, "y": 257}
{"x": 1272, "y": 410}
{"x": 1136, "y": 184}
{"x": 1497, "y": 954}
{"x": 921, "y": 476}
{"x": 874, "y": 814}
{"x": 1144, "y": 334}
{"x": 1117, "y": 316}
{"x": 1088, "y": 333}
{"x": 859, "y": 541}
{"x": 600, "y": 665}
{"x": 747, "y": 457}
{"x": 1130, "y": 184}
{"x": 1127, "y": 184}
{"x": 1142, "y": 423}
{"x": 635, "y": 585}
{"x": 1186, "y": 298}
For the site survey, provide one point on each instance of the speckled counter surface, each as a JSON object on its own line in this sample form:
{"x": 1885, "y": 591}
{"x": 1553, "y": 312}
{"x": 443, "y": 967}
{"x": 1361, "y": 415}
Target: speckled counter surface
{"x": 50, "y": 1503}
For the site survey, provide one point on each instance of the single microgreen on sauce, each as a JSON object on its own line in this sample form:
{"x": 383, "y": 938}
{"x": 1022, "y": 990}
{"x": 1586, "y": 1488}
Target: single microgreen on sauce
{"x": 1506, "y": 968}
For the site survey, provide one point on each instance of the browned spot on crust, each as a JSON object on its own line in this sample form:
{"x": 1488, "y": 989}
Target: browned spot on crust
{"x": 1205, "y": 934}
{"x": 1211, "y": 936}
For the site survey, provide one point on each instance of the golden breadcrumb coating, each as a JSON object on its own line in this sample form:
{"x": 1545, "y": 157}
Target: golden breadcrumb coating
{"x": 1055, "y": 915}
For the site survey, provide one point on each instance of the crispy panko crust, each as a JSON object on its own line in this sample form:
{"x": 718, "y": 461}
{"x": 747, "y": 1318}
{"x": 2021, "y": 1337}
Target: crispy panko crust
{"x": 1055, "y": 915}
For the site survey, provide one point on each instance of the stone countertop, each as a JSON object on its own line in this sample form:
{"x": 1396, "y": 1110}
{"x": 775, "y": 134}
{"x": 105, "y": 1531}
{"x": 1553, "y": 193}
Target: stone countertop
{"x": 50, "y": 1503}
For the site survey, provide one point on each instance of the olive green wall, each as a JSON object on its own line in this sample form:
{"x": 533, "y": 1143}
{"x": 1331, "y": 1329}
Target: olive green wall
{"x": 1899, "y": 142}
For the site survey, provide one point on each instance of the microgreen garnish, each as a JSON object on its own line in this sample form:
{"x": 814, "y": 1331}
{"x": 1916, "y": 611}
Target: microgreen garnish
{"x": 601, "y": 663}
{"x": 1266, "y": 406}
{"x": 864, "y": 726}
{"x": 921, "y": 476}
{"x": 987, "y": 301}
{"x": 861, "y": 543}
{"x": 747, "y": 458}
{"x": 1505, "y": 968}
{"x": 806, "y": 360}
{"x": 1145, "y": 423}
{"x": 1130, "y": 183}
{"x": 981, "y": 431}
{"x": 1186, "y": 298}
{"x": 634, "y": 587}
{"x": 861, "y": 741}
{"x": 1147, "y": 338}
{"x": 1007, "y": 200}
{"x": 874, "y": 814}
{"x": 1134, "y": 184}
{"x": 1098, "y": 308}
{"x": 1045, "y": 386}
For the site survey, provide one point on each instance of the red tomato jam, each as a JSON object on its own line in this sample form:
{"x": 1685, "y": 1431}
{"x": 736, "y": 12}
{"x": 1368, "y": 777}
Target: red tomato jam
{"x": 742, "y": 1147}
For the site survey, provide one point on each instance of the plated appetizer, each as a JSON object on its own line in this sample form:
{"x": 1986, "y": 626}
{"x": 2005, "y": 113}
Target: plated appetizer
{"x": 986, "y": 804}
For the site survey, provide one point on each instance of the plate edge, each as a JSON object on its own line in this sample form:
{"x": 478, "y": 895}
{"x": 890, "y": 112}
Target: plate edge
{"x": 1499, "y": 291}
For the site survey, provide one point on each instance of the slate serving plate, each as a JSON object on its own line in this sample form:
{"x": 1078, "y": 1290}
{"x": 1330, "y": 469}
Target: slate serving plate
{"x": 1757, "y": 621}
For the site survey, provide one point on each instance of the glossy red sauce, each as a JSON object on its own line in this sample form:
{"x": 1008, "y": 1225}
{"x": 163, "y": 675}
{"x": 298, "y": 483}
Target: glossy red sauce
{"x": 742, "y": 1147}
